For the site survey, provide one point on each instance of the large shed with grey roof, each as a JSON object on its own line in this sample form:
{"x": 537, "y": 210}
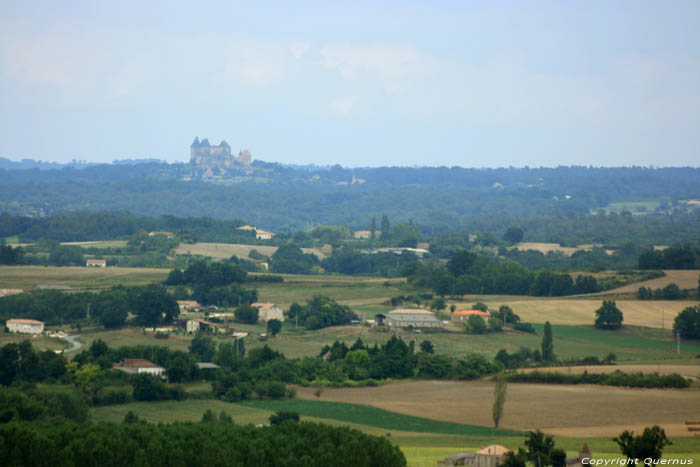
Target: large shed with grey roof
{"x": 412, "y": 317}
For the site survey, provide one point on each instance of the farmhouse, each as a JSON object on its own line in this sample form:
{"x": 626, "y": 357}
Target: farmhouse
{"x": 25, "y": 326}
{"x": 490, "y": 456}
{"x": 188, "y": 305}
{"x": 362, "y": 234}
{"x": 462, "y": 316}
{"x": 579, "y": 461}
{"x": 96, "y": 263}
{"x": 139, "y": 366}
{"x": 263, "y": 235}
{"x": 268, "y": 311}
{"x": 196, "y": 324}
{"x": 166, "y": 234}
{"x": 414, "y": 317}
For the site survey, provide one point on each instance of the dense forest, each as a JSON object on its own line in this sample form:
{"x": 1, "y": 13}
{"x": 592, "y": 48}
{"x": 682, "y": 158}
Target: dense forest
{"x": 552, "y": 204}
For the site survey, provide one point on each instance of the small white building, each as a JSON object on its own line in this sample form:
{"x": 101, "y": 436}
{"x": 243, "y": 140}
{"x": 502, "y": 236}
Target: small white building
{"x": 25, "y": 326}
{"x": 96, "y": 263}
{"x": 197, "y": 324}
{"x": 188, "y": 305}
{"x": 139, "y": 366}
{"x": 268, "y": 311}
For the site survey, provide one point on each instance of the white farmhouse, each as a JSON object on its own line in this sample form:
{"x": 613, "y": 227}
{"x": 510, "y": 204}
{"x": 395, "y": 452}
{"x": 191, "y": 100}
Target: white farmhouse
{"x": 25, "y": 326}
{"x": 268, "y": 311}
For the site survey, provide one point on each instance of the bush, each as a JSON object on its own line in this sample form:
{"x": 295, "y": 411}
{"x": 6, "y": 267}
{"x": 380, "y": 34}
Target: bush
{"x": 282, "y": 416}
{"x": 524, "y": 327}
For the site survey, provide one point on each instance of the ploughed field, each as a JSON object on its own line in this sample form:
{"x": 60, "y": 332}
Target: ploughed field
{"x": 564, "y": 410}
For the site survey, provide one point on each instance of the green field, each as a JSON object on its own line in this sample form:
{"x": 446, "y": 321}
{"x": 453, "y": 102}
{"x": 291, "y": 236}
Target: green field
{"x": 420, "y": 448}
{"x": 26, "y": 277}
{"x": 345, "y": 289}
{"x": 370, "y": 416}
{"x": 635, "y": 207}
{"x": 99, "y": 244}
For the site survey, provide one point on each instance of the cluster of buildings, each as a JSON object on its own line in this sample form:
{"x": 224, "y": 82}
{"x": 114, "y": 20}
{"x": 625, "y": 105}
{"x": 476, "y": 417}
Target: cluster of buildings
{"x": 493, "y": 456}
{"x": 259, "y": 234}
{"x": 420, "y": 318}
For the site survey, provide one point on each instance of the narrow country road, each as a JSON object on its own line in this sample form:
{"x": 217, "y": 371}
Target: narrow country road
{"x": 76, "y": 345}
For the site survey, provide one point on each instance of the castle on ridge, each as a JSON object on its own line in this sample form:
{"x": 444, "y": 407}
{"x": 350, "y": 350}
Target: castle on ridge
{"x": 206, "y": 156}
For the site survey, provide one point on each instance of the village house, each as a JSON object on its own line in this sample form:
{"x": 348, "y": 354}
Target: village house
{"x": 268, "y": 311}
{"x": 167, "y": 234}
{"x": 196, "y": 324}
{"x": 139, "y": 366}
{"x": 25, "y": 326}
{"x": 362, "y": 234}
{"x": 414, "y": 317}
{"x": 96, "y": 263}
{"x": 188, "y": 305}
{"x": 584, "y": 457}
{"x": 263, "y": 235}
{"x": 490, "y": 456}
{"x": 462, "y": 316}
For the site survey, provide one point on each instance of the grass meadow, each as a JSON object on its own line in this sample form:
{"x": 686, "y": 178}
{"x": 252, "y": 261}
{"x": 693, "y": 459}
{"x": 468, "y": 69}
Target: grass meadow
{"x": 77, "y": 277}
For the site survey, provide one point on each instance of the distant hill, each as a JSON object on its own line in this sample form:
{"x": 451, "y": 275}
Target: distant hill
{"x": 286, "y": 198}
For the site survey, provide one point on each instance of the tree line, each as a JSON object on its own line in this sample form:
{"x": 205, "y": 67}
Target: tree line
{"x": 219, "y": 443}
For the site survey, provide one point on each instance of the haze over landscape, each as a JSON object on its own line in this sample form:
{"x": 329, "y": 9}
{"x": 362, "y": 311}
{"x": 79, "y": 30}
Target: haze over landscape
{"x": 477, "y": 84}
{"x": 367, "y": 234}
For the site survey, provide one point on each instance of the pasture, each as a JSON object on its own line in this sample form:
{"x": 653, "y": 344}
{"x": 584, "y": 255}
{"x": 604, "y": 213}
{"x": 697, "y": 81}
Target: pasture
{"x": 26, "y": 277}
{"x": 99, "y": 244}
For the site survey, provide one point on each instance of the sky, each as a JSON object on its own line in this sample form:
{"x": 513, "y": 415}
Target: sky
{"x": 391, "y": 83}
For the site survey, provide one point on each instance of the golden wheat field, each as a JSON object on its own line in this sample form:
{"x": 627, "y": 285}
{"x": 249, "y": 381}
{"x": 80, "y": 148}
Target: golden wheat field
{"x": 226, "y": 250}
{"x": 685, "y": 279}
{"x": 564, "y": 410}
{"x": 648, "y": 313}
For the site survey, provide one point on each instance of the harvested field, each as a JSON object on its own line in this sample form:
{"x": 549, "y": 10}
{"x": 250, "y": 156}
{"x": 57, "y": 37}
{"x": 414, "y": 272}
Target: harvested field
{"x": 226, "y": 250}
{"x": 563, "y": 410}
{"x": 545, "y": 248}
{"x": 685, "y": 279}
{"x": 647, "y": 313}
{"x": 26, "y": 277}
{"x": 689, "y": 371}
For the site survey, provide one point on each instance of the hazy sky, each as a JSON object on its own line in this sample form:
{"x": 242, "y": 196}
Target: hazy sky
{"x": 476, "y": 84}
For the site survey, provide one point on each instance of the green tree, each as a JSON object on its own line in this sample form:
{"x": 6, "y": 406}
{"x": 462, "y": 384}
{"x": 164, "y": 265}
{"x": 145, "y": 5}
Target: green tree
{"x": 608, "y": 316}
{"x": 154, "y": 305}
{"x": 282, "y": 416}
{"x": 274, "y": 326}
{"x": 499, "y": 398}
{"x": 386, "y": 228}
{"x": 247, "y": 314}
{"x": 476, "y": 325}
{"x": 649, "y": 445}
{"x": 515, "y": 459}
{"x": 203, "y": 346}
{"x": 539, "y": 448}
{"x": 547, "y": 343}
{"x": 687, "y": 323}
{"x": 373, "y": 228}
{"x": 89, "y": 378}
{"x": 513, "y": 235}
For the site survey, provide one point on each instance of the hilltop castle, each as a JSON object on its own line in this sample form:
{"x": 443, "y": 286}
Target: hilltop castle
{"x": 208, "y": 157}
